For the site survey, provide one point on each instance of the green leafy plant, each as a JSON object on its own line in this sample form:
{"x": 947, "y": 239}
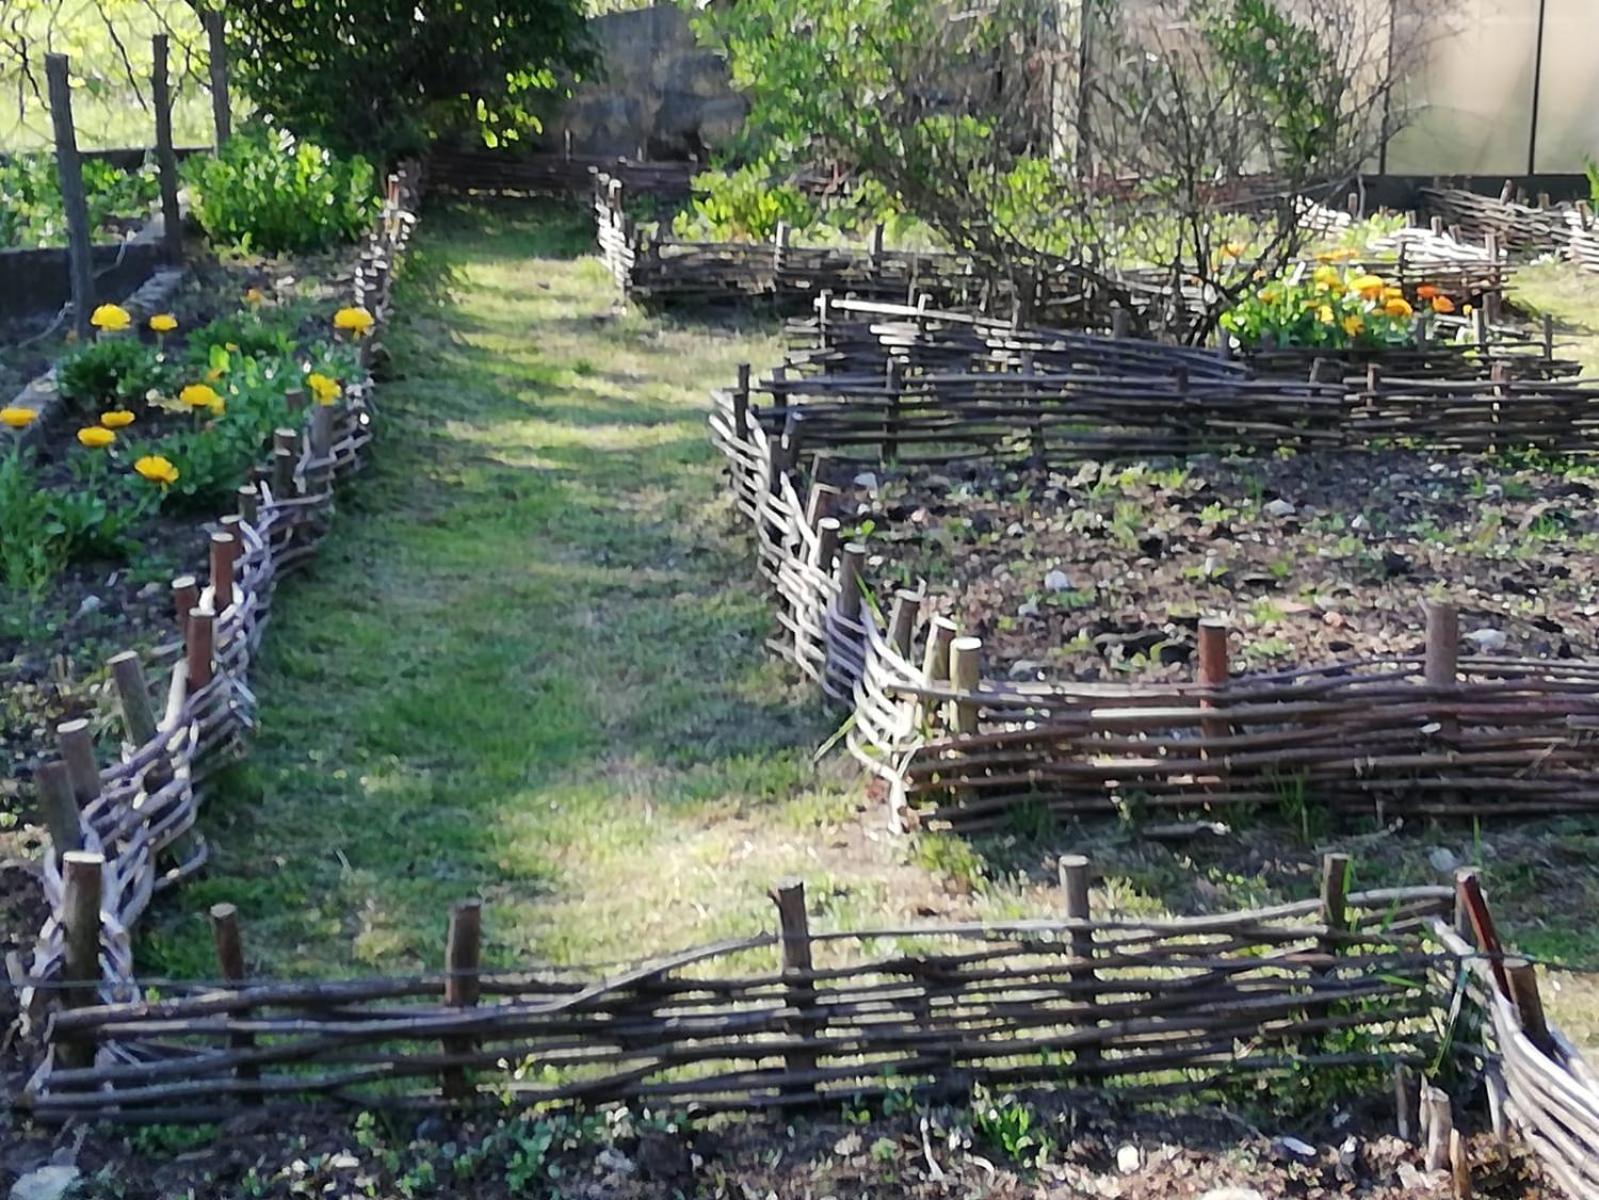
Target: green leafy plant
{"x": 251, "y": 334}
{"x": 1010, "y": 1125}
{"x": 271, "y": 193}
{"x": 375, "y": 76}
{"x": 31, "y": 209}
{"x": 111, "y": 373}
{"x": 743, "y": 205}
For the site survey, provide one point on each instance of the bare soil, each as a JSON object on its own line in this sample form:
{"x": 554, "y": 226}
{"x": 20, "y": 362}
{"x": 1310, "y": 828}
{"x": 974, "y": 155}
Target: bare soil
{"x": 1087, "y": 1150}
{"x": 1105, "y": 572}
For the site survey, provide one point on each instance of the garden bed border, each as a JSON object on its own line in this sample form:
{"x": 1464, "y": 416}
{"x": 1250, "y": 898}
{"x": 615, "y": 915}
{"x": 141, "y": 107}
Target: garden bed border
{"x": 108, "y": 825}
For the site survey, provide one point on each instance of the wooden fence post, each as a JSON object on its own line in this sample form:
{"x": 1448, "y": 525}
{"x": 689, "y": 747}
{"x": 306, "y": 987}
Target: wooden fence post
{"x": 1074, "y": 889}
{"x": 902, "y": 620}
{"x": 69, "y": 168}
{"x": 1213, "y": 669}
{"x": 60, "y": 806}
{"x": 741, "y": 403}
{"x": 249, "y": 503}
{"x": 165, "y": 156}
{"x": 1443, "y": 643}
{"x": 935, "y": 660}
{"x": 828, "y": 534}
{"x": 1440, "y": 1122}
{"x": 965, "y": 677}
{"x": 185, "y": 595}
{"x": 462, "y": 987}
{"x": 77, "y": 752}
{"x": 198, "y": 648}
{"x": 221, "y": 108}
{"x": 224, "y": 556}
{"x": 795, "y": 946}
{"x": 1523, "y": 980}
{"x": 894, "y": 385}
{"x": 850, "y": 563}
{"x": 229, "y": 946}
{"x": 1406, "y": 1103}
{"x": 133, "y": 697}
{"x": 82, "y": 879}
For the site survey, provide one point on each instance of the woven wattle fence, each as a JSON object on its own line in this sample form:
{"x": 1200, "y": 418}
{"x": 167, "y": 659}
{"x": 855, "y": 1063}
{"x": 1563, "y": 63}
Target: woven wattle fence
{"x": 1151, "y": 1004}
{"x": 1518, "y": 228}
{"x": 462, "y": 172}
{"x": 113, "y": 827}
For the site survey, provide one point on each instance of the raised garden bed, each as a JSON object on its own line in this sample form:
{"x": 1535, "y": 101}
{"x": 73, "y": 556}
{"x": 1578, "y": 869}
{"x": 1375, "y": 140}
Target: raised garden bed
{"x": 1104, "y": 572}
{"x": 124, "y": 831}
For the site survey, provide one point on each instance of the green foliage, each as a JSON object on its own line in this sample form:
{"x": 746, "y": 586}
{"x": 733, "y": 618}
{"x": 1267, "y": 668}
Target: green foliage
{"x": 1284, "y": 67}
{"x": 270, "y": 193}
{"x": 385, "y": 79}
{"x": 111, "y": 372}
{"x": 1322, "y": 307}
{"x": 252, "y": 334}
{"x": 1010, "y": 1125}
{"x": 31, "y": 210}
{"x": 744, "y": 205}
{"x": 43, "y": 529}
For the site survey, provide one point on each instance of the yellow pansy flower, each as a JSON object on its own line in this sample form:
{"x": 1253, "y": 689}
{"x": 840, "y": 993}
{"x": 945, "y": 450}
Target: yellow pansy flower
{"x": 163, "y": 322}
{"x": 1353, "y": 326}
{"x": 17, "y": 418}
{"x": 1398, "y": 306}
{"x": 96, "y": 437}
{"x": 1324, "y": 314}
{"x": 116, "y": 419}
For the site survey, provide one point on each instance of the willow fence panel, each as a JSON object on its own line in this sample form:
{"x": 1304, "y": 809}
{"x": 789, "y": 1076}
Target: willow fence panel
{"x": 1149, "y": 1005}
{"x": 1518, "y": 228}
{"x": 111, "y": 828}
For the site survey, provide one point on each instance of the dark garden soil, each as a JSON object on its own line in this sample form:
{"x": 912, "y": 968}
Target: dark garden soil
{"x": 1105, "y": 572}
{"x": 1094, "y": 1151}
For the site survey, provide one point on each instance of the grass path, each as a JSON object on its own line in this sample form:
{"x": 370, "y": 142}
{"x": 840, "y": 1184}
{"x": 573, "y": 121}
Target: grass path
{"x": 527, "y": 664}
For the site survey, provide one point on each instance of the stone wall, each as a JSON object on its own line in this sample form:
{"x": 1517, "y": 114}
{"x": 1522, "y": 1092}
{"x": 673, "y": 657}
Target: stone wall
{"x": 661, "y": 92}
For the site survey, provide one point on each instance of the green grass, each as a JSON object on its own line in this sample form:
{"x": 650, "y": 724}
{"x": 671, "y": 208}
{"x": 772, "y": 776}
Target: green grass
{"x": 528, "y": 663}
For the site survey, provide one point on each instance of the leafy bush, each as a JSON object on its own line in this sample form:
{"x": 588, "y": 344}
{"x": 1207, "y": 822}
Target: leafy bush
{"x": 372, "y": 75}
{"x": 111, "y": 372}
{"x": 250, "y": 334}
{"x": 1328, "y": 307}
{"x": 43, "y": 529}
{"x": 31, "y": 210}
{"x": 746, "y": 205}
{"x": 268, "y": 193}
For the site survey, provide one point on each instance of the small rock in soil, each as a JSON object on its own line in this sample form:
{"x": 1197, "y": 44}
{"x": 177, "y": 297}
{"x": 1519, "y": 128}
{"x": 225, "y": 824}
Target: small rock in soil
{"x": 1487, "y": 640}
{"x": 867, "y": 480}
{"x": 1443, "y": 860}
{"x": 1280, "y": 508}
{"x": 47, "y": 1183}
{"x": 90, "y": 604}
{"x": 1057, "y": 581}
{"x": 1128, "y": 1159}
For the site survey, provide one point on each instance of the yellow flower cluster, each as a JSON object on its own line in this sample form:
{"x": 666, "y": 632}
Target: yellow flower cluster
{"x": 163, "y": 322}
{"x": 13, "y": 417}
{"x": 96, "y": 437}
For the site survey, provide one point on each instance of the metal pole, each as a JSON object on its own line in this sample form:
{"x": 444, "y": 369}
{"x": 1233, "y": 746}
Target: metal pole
{"x": 1537, "y": 85}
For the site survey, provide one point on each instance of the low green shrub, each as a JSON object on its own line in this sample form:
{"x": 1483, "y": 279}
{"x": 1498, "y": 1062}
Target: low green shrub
{"x": 268, "y": 193}
{"x": 31, "y": 210}
{"x": 251, "y": 334}
{"x": 743, "y": 205}
{"x": 110, "y": 373}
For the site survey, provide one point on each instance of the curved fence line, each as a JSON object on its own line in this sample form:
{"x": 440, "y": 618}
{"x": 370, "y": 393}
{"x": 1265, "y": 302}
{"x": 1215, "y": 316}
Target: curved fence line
{"x": 110, "y": 827}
